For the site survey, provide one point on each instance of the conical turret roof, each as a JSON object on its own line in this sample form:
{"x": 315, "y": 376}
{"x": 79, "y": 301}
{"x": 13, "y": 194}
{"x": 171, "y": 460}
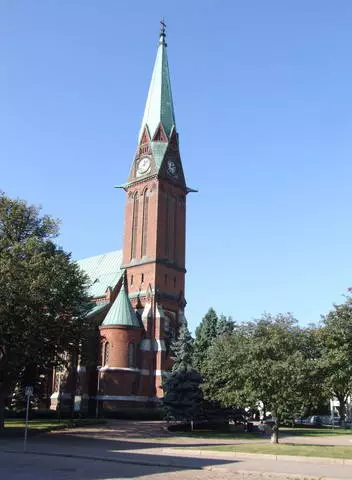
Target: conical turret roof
{"x": 159, "y": 107}
{"x": 122, "y": 312}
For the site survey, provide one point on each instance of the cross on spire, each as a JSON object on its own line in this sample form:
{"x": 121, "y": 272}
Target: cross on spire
{"x": 162, "y": 27}
{"x": 162, "y": 31}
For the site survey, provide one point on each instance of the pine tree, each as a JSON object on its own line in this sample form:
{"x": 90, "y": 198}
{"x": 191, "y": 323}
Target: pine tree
{"x": 183, "y": 396}
{"x": 224, "y": 326}
{"x": 210, "y": 328}
{"x": 205, "y": 334}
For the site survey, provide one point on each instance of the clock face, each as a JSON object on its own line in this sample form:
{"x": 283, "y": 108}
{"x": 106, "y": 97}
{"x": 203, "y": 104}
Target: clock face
{"x": 172, "y": 168}
{"x": 143, "y": 166}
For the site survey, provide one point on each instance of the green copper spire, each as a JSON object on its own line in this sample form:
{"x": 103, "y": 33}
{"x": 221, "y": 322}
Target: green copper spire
{"x": 121, "y": 312}
{"x": 159, "y": 107}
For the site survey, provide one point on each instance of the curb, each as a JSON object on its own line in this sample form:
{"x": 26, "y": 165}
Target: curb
{"x": 246, "y": 475}
{"x": 184, "y": 452}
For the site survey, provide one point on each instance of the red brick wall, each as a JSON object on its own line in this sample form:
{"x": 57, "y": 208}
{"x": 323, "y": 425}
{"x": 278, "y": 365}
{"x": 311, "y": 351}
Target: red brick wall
{"x": 119, "y": 338}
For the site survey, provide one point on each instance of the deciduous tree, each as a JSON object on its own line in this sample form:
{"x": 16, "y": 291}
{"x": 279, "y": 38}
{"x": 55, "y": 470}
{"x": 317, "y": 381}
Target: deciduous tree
{"x": 336, "y": 353}
{"x": 43, "y": 297}
{"x": 270, "y": 361}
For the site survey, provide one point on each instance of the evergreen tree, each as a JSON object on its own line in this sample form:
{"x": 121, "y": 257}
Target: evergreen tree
{"x": 183, "y": 396}
{"x": 205, "y": 334}
{"x": 210, "y": 328}
{"x": 224, "y": 326}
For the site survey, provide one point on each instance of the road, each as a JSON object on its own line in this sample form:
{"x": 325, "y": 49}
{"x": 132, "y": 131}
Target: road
{"x": 141, "y": 450}
{"x": 38, "y": 467}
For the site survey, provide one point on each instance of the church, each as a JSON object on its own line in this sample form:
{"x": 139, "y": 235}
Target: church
{"x": 138, "y": 292}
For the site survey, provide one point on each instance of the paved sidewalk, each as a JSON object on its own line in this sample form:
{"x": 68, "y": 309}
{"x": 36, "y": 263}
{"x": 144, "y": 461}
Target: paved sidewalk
{"x": 160, "y": 455}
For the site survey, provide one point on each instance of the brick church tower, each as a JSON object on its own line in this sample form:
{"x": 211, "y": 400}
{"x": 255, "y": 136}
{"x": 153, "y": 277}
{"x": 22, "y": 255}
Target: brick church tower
{"x": 145, "y": 317}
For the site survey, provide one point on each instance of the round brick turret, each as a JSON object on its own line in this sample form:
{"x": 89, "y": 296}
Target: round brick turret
{"x": 119, "y": 338}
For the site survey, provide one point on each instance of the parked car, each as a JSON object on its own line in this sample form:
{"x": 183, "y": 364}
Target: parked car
{"x": 301, "y": 421}
{"x": 313, "y": 421}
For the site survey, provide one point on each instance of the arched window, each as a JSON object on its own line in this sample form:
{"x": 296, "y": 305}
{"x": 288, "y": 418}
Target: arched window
{"x": 134, "y": 225}
{"x": 145, "y": 223}
{"x": 170, "y": 227}
{"x": 175, "y": 229}
{"x": 106, "y": 353}
{"x": 131, "y": 355}
{"x": 167, "y": 221}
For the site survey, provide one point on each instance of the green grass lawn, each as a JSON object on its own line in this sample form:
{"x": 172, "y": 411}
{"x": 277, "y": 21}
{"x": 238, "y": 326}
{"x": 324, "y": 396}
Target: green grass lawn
{"x": 315, "y": 432}
{"x": 324, "y": 451}
{"x": 15, "y": 426}
{"x": 236, "y": 435}
{"x": 284, "y": 431}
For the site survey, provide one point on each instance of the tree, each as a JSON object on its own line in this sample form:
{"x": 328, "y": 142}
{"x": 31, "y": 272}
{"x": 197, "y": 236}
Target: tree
{"x": 183, "y": 396}
{"x": 271, "y": 362}
{"x": 224, "y": 326}
{"x": 206, "y": 332}
{"x": 336, "y": 353}
{"x": 210, "y": 328}
{"x": 43, "y": 299}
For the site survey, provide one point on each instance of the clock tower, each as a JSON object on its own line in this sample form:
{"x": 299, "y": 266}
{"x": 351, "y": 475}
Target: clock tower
{"x": 154, "y": 231}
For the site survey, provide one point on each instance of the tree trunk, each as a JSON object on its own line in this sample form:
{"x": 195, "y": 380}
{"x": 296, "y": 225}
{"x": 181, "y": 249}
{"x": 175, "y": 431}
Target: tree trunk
{"x": 275, "y": 433}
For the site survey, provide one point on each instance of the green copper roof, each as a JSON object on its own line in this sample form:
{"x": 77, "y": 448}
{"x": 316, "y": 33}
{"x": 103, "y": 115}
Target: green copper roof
{"x": 103, "y": 271}
{"x": 97, "y": 308}
{"x": 121, "y": 312}
{"x": 159, "y": 107}
{"x": 158, "y": 149}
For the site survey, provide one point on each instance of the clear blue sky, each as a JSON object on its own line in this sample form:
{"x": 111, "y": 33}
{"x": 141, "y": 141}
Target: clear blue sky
{"x": 263, "y": 100}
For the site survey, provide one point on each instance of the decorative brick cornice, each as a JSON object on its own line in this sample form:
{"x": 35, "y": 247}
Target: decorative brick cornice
{"x": 160, "y": 261}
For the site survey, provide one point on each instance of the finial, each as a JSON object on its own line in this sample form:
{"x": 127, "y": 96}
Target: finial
{"x": 162, "y": 31}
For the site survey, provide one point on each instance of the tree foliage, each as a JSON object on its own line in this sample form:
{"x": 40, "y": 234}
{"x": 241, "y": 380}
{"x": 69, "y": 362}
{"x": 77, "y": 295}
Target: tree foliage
{"x": 210, "y": 328}
{"x": 43, "y": 297}
{"x": 183, "y": 396}
{"x": 271, "y": 362}
{"x": 336, "y": 353}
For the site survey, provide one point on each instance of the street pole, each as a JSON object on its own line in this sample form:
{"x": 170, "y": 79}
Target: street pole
{"x": 28, "y": 393}
{"x": 98, "y": 392}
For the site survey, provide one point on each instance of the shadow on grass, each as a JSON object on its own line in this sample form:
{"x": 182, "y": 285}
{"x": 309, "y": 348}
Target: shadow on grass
{"x": 15, "y": 427}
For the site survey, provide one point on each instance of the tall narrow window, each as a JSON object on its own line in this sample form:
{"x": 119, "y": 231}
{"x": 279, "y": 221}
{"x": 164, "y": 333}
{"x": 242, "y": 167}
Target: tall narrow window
{"x": 167, "y": 221}
{"x": 145, "y": 223}
{"x": 131, "y": 355}
{"x": 175, "y": 231}
{"x": 171, "y": 227}
{"x": 134, "y": 225}
{"x": 106, "y": 353}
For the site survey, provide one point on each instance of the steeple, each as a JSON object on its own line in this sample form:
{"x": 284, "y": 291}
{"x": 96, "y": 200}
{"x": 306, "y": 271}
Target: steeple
{"x": 122, "y": 313}
{"x": 159, "y": 108}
